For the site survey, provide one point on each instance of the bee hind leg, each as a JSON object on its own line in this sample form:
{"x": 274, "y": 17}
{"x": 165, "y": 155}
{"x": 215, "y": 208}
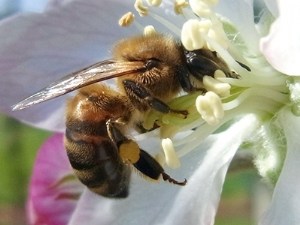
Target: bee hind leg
{"x": 148, "y": 166}
{"x": 139, "y": 92}
{"x": 130, "y": 152}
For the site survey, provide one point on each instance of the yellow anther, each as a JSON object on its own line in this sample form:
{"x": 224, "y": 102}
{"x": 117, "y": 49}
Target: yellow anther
{"x": 149, "y": 30}
{"x": 192, "y": 32}
{"x": 210, "y": 107}
{"x": 171, "y": 157}
{"x": 140, "y": 8}
{"x": 154, "y": 2}
{"x": 126, "y": 19}
{"x": 219, "y": 74}
{"x": 220, "y": 88}
{"x": 179, "y": 5}
{"x": 201, "y": 8}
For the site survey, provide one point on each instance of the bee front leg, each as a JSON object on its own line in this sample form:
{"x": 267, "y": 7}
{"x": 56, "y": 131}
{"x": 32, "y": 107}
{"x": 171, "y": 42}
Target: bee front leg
{"x": 139, "y": 92}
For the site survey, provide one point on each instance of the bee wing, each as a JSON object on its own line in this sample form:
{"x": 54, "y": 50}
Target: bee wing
{"x": 97, "y": 72}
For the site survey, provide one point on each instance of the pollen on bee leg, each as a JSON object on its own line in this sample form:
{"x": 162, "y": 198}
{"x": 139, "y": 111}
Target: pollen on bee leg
{"x": 149, "y": 30}
{"x": 171, "y": 157}
{"x": 216, "y": 86}
{"x": 210, "y": 107}
{"x": 129, "y": 151}
{"x": 140, "y": 8}
{"x": 179, "y": 5}
{"x": 126, "y": 19}
{"x": 191, "y": 34}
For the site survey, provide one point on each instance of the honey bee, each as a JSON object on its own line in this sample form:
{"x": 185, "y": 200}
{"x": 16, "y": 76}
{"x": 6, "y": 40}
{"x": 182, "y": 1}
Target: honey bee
{"x": 150, "y": 70}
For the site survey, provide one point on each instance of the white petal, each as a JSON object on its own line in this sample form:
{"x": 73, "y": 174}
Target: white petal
{"x": 37, "y": 49}
{"x": 8, "y": 8}
{"x": 32, "y": 6}
{"x": 164, "y": 203}
{"x": 285, "y": 205}
{"x": 282, "y": 46}
{"x": 240, "y": 13}
{"x": 272, "y": 6}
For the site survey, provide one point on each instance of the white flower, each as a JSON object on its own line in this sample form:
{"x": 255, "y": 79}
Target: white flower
{"x": 37, "y": 49}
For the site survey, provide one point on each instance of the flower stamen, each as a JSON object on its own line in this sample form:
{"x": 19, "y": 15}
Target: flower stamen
{"x": 171, "y": 158}
{"x": 220, "y": 88}
{"x": 210, "y": 107}
{"x": 149, "y": 30}
{"x": 154, "y": 2}
{"x": 191, "y": 34}
{"x": 179, "y": 5}
{"x": 201, "y": 8}
{"x": 141, "y": 8}
{"x": 126, "y": 20}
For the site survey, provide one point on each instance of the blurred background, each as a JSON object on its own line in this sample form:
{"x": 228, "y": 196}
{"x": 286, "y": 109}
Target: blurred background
{"x": 19, "y": 144}
{"x": 243, "y": 200}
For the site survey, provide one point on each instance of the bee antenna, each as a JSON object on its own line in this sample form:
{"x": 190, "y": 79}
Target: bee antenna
{"x": 166, "y": 177}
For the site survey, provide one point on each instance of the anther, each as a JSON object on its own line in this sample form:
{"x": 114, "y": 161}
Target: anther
{"x": 191, "y": 34}
{"x": 220, "y": 88}
{"x": 171, "y": 157}
{"x": 179, "y": 5}
{"x": 154, "y": 2}
{"x": 210, "y": 107}
{"x": 126, "y": 19}
{"x": 201, "y": 8}
{"x": 140, "y": 8}
{"x": 149, "y": 30}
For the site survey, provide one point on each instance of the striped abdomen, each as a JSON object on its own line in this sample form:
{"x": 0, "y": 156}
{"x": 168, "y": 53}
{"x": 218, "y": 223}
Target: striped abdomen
{"x": 92, "y": 154}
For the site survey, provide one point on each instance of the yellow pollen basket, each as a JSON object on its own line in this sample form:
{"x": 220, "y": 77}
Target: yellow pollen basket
{"x": 129, "y": 151}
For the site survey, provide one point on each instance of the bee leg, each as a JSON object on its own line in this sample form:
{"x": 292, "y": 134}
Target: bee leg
{"x": 244, "y": 66}
{"x": 130, "y": 152}
{"x": 139, "y": 92}
{"x": 114, "y": 133}
{"x": 185, "y": 82}
{"x": 148, "y": 166}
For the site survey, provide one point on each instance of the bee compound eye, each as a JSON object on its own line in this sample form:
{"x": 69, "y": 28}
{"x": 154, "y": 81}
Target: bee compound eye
{"x": 151, "y": 63}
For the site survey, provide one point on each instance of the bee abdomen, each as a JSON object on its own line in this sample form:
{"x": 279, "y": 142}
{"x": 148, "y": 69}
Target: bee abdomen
{"x": 95, "y": 160}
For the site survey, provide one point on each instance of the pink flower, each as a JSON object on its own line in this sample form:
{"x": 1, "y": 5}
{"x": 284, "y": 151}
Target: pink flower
{"x": 54, "y": 190}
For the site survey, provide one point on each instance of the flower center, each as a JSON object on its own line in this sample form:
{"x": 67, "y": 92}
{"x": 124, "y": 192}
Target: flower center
{"x": 253, "y": 87}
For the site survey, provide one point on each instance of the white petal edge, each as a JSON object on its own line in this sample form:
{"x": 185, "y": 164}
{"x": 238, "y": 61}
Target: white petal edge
{"x": 282, "y": 46}
{"x": 166, "y": 204}
{"x": 285, "y": 204}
